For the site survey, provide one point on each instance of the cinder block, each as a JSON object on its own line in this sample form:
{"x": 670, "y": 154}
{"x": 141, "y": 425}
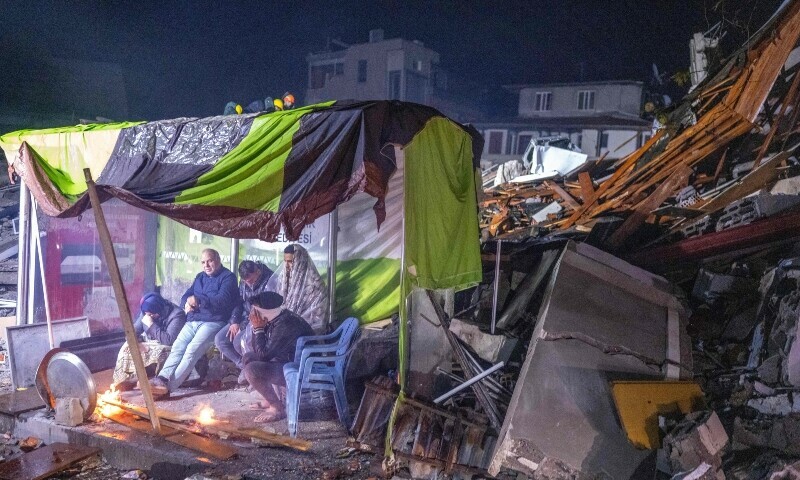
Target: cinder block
{"x": 69, "y": 411}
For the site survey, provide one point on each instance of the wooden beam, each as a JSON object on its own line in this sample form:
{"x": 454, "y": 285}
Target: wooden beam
{"x": 564, "y": 195}
{"x": 172, "y": 420}
{"x": 122, "y": 299}
{"x": 678, "y": 179}
{"x": 182, "y": 437}
{"x": 789, "y": 98}
{"x": 587, "y": 187}
{"x": 756, "y": 179}
{"x": 618, "y": 173}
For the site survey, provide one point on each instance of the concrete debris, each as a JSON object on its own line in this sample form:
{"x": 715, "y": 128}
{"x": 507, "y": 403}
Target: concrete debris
{"x": 778, "y": 433}
{"x": 699, "y": 439}
{"x": 777, "y": 405}
{"x": 491, "y": 348}
{"x": 69, "y": 411}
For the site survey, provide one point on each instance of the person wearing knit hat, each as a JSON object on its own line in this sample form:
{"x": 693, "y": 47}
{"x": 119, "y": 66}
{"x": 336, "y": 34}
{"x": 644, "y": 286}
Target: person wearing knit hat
{"x": 275, "y": 334}
{"x": 158, "y": 323}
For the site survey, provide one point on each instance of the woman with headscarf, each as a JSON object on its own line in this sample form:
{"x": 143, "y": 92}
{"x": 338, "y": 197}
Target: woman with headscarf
{"x": 158, "y": 323}
{"x": 302, "y": 288}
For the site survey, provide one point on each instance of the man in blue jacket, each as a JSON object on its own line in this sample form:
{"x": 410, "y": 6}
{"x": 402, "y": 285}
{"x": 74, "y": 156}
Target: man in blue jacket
{"x": 208, "y": 304}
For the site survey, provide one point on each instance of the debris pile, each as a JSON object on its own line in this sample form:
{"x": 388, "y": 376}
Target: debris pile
{"x": 732, "y": 137}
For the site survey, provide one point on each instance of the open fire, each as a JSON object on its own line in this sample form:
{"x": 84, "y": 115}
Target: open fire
{"x": 104, "y": 407}
{"x": 206, "y": 416}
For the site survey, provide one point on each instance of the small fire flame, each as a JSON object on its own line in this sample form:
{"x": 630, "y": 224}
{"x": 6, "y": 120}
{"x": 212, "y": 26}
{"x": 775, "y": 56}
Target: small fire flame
{"x": 105, "y": 408}
{"x": 206, "y": 416}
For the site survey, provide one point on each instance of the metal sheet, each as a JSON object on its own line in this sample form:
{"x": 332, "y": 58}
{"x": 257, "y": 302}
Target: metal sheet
{"x": 45, "y": 462}
{"x": 28, "y": 344}
{"x": 64, "y": 375}
{"x": 640, "y": 403}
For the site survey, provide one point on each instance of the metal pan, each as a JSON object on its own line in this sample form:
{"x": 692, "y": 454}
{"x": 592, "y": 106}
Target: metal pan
{"x": 62, "y": 374}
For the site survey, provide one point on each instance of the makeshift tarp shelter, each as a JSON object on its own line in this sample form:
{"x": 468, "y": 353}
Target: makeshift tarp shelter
{"x": 402, "y": 175}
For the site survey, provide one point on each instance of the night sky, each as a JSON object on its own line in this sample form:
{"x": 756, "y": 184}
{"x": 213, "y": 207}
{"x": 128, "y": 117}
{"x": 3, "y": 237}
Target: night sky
{"x": 188, "y": 58}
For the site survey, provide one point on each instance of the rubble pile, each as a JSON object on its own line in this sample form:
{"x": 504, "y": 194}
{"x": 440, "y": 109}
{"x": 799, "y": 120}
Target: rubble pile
{"x": 713, "y": 166}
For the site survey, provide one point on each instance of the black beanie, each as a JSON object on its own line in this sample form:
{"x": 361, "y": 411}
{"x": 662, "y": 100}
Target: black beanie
{"x": 267, "y": 300}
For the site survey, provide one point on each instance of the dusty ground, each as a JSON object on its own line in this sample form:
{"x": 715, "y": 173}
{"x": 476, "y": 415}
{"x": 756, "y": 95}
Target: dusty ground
{"x": 319, "y": 425}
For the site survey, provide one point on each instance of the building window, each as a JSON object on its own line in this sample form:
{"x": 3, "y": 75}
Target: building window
{"x": 586, "y": 100}
{"x": 362, "y": 71}
{"x": 604, "y": 140}
{"x": 544, "y": 101}
{"x": 394, "y": 85}
{"x": 579, "y": 140}
{"x": 319, "y": 74}
{"x": 418, "y": 65}
{"x": 496, "y": 142}
{"x": 523, "y": 140}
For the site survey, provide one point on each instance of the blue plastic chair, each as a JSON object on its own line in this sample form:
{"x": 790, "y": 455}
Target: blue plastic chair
{"x": 319, "y": 363}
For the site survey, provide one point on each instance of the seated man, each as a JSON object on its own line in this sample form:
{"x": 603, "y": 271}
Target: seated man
{"x": 209, "y": 304}
{"x": 302, "y": 288}
{"x": 253, "y": 278}
{"x": 275, "y": 334}
{"x": 160, "y": 321}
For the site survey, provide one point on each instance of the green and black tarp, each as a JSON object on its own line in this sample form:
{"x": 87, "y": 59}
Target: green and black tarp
{"x": 402, "y": 175}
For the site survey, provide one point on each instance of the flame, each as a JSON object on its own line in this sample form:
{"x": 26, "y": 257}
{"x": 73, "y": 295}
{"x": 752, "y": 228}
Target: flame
{"x": 105, "y": 408}
{"x": 206, "y": 416}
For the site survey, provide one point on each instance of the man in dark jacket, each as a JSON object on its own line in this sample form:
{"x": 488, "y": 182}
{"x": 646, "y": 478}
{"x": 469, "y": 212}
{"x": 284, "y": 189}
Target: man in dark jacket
{"x": 253, "y": 278}
{"x": 159, "y": 321}
{"x": 275, "y": 334}
{"x": 208, "y": 304}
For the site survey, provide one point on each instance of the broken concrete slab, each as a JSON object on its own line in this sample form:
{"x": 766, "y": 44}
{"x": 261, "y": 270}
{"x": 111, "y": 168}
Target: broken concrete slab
{"x": 624, "y": 328}
{"x": 776, "y": 405}
{"x": 492, "y": 348}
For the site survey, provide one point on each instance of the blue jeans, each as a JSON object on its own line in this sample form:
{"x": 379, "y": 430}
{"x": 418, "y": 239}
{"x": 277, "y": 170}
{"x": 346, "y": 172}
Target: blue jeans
{"x": 192, "y": 343}
{"x": 231, "y": 350}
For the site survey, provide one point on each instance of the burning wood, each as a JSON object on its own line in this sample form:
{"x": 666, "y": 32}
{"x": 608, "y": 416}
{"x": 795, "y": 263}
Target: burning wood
{"x": 206, "y": 415}
{"x": 105, "y": 403}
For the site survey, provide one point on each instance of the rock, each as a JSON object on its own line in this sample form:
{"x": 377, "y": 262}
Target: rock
{"x": 69, "y": 411}
{"x": 30, "y": 443}
{"x": 770, "y": 369}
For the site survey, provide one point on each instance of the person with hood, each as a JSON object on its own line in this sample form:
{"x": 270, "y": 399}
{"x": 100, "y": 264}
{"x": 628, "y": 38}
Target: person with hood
{"x": 159, "y": 322}
{"x": 253, "y": 277}
{"x": 299, "y": 283}
{"x": 209, "y": 303}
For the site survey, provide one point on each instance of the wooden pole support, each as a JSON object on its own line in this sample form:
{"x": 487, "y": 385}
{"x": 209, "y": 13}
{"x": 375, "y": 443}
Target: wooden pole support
{"x": 122, "y": 300}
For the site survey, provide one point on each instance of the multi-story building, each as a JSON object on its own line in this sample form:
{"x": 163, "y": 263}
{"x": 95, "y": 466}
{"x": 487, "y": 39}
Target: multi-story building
{"x": 602, "y": 118}
{"x": 384, "y": 69}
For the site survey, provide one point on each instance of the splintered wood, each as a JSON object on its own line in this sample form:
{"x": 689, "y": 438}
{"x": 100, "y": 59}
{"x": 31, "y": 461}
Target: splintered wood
{"x": 175, "y": 431}
{"x": 744, "y": 115}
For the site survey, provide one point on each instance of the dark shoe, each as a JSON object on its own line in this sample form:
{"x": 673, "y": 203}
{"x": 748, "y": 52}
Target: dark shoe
{"x": 159, "y": 387}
